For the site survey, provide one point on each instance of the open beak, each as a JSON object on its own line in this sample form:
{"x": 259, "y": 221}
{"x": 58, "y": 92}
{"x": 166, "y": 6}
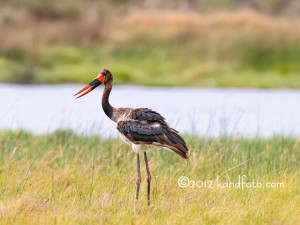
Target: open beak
{"x": 91, "y": 86}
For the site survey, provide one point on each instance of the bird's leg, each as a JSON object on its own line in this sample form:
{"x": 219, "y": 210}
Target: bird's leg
{"x": 148, "y": 177}
{"x": 138, "y": 181}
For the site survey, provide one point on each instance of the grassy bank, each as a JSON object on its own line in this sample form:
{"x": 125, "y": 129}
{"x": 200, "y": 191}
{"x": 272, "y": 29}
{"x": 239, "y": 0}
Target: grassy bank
{"x": 222, "y": 49}
{"x": 63, "y": 178}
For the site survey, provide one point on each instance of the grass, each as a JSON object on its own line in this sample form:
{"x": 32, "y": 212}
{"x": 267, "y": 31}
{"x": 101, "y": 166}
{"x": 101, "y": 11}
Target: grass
{"x": 63, "y": 178}
{"x": 158, "y": 48}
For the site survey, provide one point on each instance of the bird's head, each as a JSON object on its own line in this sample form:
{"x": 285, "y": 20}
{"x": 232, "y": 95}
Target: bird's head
{"x": 103, "y": 78}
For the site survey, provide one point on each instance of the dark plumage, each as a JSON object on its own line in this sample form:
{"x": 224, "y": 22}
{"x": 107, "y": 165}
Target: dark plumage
{"x": 141, "y": 128}
{"x": 146, "y": 114}
{"x": 153, "y": 132}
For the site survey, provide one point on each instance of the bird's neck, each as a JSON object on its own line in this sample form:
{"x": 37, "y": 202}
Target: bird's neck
{"x": 108, "y": 109}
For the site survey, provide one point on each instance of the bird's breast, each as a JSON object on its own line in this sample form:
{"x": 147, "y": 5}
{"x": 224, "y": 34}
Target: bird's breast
{"x": 127, "y": 141}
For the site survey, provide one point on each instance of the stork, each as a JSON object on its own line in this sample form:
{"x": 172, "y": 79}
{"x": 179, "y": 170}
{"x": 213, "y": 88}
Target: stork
{"x": 141, "y": 128}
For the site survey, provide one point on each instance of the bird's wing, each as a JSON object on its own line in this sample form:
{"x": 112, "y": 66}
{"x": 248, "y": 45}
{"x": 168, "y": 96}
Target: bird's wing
{"x": 153, "y": 133}
{"x": 146, "y": 114}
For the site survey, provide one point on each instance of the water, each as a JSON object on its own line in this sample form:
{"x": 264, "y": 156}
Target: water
{"x": 209, "y": 112}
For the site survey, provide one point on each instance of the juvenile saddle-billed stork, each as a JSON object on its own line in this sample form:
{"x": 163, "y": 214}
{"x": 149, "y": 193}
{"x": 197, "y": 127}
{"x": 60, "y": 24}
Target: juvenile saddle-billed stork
{"x": 141, "y": 128}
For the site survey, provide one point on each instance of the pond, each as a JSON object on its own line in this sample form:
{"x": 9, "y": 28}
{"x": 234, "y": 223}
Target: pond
{"x": 211, "y": 112}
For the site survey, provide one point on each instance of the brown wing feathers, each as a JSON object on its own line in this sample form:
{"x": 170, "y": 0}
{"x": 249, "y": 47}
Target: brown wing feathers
{"x": 153, "y": 132}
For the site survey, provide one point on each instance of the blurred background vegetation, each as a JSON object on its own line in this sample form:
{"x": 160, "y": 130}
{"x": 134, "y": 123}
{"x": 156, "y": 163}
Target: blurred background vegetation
{"x": 228, "y": 43}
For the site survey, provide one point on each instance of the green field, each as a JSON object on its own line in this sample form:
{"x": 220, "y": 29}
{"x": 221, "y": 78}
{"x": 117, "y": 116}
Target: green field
{"x": 63, "y": 178}
{"x": 144, "y": 46}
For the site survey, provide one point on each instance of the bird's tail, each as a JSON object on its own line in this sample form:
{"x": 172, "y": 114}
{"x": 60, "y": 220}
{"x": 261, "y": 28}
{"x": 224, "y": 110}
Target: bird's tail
{"x": 176, "y": 143}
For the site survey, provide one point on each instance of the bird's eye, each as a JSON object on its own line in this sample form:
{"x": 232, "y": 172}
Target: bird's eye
{"x": 104, "y": 72}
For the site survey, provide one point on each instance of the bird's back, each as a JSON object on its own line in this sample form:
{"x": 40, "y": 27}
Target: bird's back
{"x": 144, "y": 126}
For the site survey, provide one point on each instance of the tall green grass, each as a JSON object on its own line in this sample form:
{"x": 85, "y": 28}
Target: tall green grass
{"x": 64, "y": 178}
